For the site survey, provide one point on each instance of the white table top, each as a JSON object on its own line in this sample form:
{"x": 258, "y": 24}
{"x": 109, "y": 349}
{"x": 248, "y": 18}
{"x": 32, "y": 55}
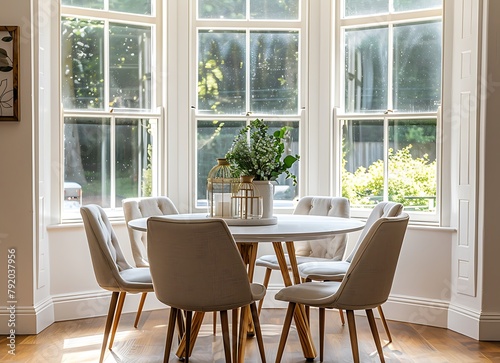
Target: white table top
{"x": 290, "y": 227}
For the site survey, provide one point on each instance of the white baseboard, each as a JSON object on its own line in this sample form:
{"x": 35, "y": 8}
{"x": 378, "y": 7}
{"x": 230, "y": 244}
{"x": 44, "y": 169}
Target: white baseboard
{"x": 26, "y": 319}
{"x": 485, "y": 326}
{"x": 96, "y": 303}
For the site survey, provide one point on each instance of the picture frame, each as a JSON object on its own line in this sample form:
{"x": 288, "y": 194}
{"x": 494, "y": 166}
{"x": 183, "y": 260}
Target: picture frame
{"x": 9, "y": 73}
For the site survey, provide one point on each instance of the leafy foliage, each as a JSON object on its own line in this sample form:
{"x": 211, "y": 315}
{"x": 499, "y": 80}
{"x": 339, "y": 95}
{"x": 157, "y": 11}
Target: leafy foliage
{"x": 412, "y": 181}
{"x": 257, "y": 153}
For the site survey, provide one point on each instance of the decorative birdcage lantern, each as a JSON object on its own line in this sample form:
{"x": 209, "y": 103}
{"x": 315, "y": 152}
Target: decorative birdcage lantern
{"x": 246, "y": 202}
{"x": 220, "y": 187}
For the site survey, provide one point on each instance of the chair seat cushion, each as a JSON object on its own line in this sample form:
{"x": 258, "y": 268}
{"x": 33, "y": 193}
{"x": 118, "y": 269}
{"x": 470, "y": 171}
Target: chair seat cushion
{"x": 137, "y": 279}
{"x": 310, "y": 293}
{"x": 258, "y": 291}
{"x": 271, "y": 262}
{"x": 324, "y": 271}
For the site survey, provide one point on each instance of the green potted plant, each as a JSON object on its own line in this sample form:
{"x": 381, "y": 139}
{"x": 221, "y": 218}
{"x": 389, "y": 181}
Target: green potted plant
{"x": 258, "y": 153}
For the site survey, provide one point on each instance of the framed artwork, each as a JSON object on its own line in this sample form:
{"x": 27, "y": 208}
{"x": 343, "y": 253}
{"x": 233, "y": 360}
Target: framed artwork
{"x": 9, "y": 73}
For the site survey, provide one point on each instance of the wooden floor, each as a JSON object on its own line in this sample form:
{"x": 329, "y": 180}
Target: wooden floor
{"x": 80, "y": 341}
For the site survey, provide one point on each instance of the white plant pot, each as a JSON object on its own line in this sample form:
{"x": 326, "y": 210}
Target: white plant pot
{"x": 265, "y": 188}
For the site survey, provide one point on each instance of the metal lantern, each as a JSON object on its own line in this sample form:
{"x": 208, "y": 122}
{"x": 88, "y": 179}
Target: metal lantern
{"x": 220, "y": 185}
{"x": 246, "y": 202}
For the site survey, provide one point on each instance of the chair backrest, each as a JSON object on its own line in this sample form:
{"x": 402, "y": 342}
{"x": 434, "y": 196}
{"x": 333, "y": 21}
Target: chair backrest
{"x": 107, "y": 257}
{"x": 368, "y": 280}
{"x": 134, "y": 208}
{"x": 195, "y": 265}
{"x": 333, "y": 247}
{"x": 383, "y": 209}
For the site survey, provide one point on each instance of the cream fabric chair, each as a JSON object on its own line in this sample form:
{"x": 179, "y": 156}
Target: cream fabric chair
{"x": 366, "y": 285}
{"x": 134, "y": 208}
{"x": 196, "y": 266}
{"x": 329, "y": 249}
{"x": 111, "y": 270}
{"x": 336, "y": 270}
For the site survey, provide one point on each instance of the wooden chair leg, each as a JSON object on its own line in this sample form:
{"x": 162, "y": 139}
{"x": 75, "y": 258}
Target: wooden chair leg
{"x": 118, "y": 313}
{"x": 352, "y": 334}
{"x": 225, "y": 335}
{"x": 321, "y": 332}
{"x": 376, "y": 338}
{"x": 235, "y": 335}
{"x": 109, "y": 322}
{"x": 242, "y": 333}
{"x": 189, "y": 315}
{"x": 170, "y": 333}
{"x": 341, "y": 313}
{"x": 215, "y": 322}
{"x": 139, "y": 309}
{"x": 286, "y": 328}
{"x": 384, "y": 322}
{"x": 267, "y": 277}
{"x": 258, "y": 332}
{"x": 181, "y": 327}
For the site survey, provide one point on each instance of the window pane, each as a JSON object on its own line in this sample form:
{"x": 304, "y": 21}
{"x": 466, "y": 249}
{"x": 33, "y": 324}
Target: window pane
{"x": 133, "y": 159}
{"x": 130, "y": 66}
{"x": 274, "y": 72}
{"x": 365, "y": 7}
{"x": 366, "y": 70}
{"x": 82, "y": 63}
{"x": 221, "y": 72}
{"x": 417, "y": 67}
{"x": 87, "y": 158}
{"x": 222, "y": 9}
{"x": 214, "y": 141}
{"x": 274, "y": 9}
{"x": 90, "y": 4}
{"x": 412, "y": 163}
{"x": 142, "y": 7}
{"x": 363, "y": 162}
{"x": 284, "y": 191}
{"x": 405, "y": 5}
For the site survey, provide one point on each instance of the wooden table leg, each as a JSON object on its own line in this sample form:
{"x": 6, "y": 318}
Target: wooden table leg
{"x": 299, "y": 315}
{"x": 195, "y": 329}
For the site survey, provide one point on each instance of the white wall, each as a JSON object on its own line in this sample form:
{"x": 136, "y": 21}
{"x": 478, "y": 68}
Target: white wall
{"x": 16, "y": 182}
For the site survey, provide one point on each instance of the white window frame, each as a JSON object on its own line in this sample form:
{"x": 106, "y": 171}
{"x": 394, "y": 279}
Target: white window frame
{"x": 248, "y": 25}
{"x": 340, "y": 25}
{"x": 155, "y": 113}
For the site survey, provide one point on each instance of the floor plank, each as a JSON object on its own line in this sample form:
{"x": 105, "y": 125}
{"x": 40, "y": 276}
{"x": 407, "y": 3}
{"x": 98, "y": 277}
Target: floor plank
{"x": 79, "y": 341}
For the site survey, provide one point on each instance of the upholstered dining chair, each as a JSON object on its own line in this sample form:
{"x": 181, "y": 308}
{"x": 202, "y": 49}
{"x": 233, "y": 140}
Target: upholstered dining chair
{"x": 336, "y": 270}
{"x": 111, "y": 269}
{"x": 196, "y": 266}
{"x": 366, "y": 285}
{"x": 134, "y": 208}
{"x": 330, "y": 249}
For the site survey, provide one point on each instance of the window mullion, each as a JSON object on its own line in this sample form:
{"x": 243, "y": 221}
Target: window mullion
{"x": 112, "y": 160}
{"x": 105, "y": 71}
{"x": 390, "y": 67}
{"x": 248, "y": 75}
{"x": 386, "y": 159}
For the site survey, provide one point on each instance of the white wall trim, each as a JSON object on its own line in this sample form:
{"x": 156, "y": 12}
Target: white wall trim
{"x": 28, "y": 319}
{"x": 400, "y": 308}
{"x": 477, "y": 325}
{"x": 96, "y": 303}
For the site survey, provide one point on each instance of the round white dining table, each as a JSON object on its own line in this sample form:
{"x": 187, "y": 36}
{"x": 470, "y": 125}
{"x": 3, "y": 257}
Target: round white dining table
{"x": 289, "y": 228}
